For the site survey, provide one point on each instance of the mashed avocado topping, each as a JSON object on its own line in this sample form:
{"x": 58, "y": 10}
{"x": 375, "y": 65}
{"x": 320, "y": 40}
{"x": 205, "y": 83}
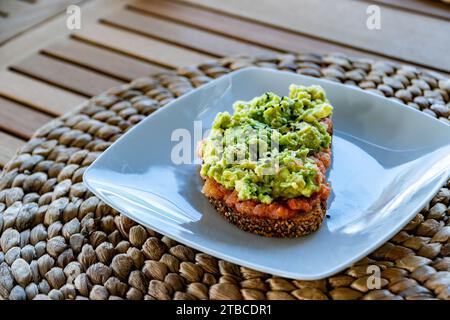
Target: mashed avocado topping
{"x": 263, "y": 150}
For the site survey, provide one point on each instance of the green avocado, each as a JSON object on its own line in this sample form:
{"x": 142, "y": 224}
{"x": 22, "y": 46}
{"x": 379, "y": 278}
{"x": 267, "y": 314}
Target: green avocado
{"x": 263, "y": 150}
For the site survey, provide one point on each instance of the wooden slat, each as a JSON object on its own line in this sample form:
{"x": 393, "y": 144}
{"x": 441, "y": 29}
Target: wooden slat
{"x": 403, "y": 35}
{"x": 141, "y": 47}
{"x": 26, "y": 15}
{"x": 182, "y": 35}
{"x": 64, "y": 75}
{"x": 8, "y": 147}
{"x": 241, "y": 29}
{"x": 102, "y": 60}
{"x": 427, "y": 7}
{"x": 37, "y": 94}
{"x": 19, "y": 120}
{"x": 10, "y": 8}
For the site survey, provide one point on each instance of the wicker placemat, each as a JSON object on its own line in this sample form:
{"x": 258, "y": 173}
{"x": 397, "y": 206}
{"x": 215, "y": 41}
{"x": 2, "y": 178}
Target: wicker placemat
{"x": 58, "y": 241}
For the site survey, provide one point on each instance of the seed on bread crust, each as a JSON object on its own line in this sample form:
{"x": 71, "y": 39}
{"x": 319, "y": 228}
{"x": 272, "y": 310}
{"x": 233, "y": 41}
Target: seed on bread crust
{"x": 300, "y": 225}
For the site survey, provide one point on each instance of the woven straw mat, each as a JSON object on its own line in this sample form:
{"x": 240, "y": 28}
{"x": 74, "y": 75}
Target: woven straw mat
{"x": 58, "y": 241}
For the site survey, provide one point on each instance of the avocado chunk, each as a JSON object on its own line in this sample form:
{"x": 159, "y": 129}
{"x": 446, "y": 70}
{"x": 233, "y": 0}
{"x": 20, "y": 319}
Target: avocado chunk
{"x": 265, "y": 149}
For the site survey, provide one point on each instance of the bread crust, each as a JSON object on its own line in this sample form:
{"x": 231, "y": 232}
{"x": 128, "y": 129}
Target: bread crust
{"x": 300, "y": 225}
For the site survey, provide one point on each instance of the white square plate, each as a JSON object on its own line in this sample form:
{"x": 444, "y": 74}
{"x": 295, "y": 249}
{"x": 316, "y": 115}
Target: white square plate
{"x": 388, "y": 161}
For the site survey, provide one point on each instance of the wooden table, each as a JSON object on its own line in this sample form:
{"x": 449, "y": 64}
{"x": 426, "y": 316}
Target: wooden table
{"x": 47, "y": 70}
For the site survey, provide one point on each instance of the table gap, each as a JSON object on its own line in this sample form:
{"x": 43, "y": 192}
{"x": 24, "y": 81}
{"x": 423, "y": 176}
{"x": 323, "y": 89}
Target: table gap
{"x": 20, "y": 120}
{"x": 101, "y": 60}
{"x": 145, "y": 48}
{"x": 191, "y": 37}
{"x": 433, "y": 9}
{"x": 141, "y": 33}
{"x": 389, "y": 47}
{"x": 285, "y": 39}
{"x": 70, "y": 77}
{"x": 38, "y": 94}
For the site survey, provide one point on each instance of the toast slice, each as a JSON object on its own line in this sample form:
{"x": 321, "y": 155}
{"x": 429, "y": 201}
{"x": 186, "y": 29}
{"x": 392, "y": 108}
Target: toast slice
{"x": 289, "y": 203}
{"x": 300, "y": 225}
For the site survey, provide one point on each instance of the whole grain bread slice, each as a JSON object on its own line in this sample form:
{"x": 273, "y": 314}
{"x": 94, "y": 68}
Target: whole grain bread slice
{"x": 300, "y": 225}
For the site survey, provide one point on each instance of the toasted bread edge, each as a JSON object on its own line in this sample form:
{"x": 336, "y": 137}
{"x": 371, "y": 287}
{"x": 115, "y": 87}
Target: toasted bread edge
{"x": 300, "y": 225}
